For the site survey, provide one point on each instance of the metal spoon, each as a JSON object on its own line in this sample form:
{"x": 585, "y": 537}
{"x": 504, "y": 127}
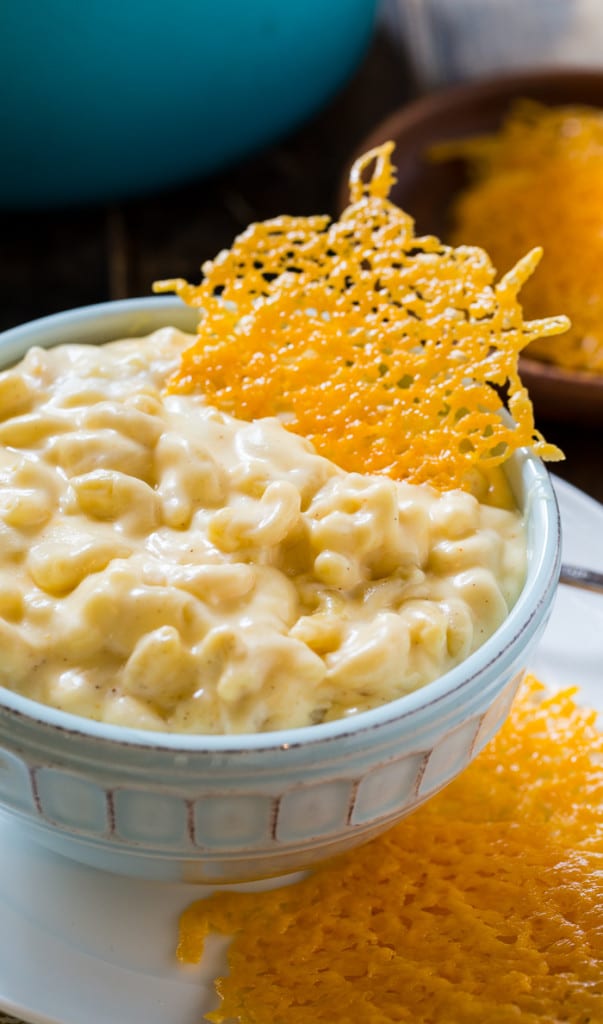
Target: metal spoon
{"x": 585, "y": 579}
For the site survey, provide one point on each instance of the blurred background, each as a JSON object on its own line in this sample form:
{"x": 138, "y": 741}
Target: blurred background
{"x": 135, "y": 154}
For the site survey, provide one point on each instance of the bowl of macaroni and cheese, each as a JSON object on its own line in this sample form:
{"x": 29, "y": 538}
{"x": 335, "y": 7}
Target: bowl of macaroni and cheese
{"x": 223, "y": 656}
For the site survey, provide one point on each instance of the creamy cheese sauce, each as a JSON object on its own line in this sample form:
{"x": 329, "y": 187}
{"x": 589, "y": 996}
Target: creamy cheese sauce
{"x": 166, "y": 566}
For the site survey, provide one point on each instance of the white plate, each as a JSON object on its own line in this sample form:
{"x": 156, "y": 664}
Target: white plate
{"x": 81, "y": 947}
{"x": 571, "y": 650}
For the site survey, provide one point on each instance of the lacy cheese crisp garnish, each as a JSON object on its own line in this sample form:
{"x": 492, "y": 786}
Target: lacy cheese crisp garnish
{"x": 385, "y": 349}
{"x": 539, "y": 181}
{"x": 483, "y": 907}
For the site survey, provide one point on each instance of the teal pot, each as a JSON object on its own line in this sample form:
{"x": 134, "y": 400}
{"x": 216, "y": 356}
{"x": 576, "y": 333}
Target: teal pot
{"x": 105, "y": 99}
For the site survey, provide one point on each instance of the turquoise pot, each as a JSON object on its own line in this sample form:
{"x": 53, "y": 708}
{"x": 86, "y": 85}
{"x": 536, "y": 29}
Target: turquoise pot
{"x": 104, "y": 100}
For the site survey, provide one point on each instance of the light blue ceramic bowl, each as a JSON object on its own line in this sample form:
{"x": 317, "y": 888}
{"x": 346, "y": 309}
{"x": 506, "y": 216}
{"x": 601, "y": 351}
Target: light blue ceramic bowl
{"x": 221, "y": 808}
{"x": 104, "y": 99}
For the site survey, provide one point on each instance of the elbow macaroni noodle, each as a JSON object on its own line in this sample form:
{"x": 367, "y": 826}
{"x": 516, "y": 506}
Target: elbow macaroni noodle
{"x": 166, "y": 566}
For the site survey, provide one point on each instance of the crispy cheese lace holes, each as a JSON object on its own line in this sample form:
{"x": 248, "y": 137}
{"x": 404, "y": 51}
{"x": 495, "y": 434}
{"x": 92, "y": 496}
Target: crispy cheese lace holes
{"x": 546, "y": 166}
{"x": 482, "y": 906}
{"x": 384, "y": 349}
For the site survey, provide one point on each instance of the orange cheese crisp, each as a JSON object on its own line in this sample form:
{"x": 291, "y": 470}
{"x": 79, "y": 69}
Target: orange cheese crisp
{"x": 539, "y": 181}
{"x": 483, "y": 906}
{"x": 383, "y": 348}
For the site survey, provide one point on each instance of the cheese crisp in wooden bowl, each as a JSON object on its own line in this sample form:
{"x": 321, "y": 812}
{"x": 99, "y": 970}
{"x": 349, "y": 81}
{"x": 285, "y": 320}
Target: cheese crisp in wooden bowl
{"x": 271, "y": 571}
{"x": 509, "y": 163}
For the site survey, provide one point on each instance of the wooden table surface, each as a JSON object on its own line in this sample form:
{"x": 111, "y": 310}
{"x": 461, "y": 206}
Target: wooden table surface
{"x": 57, "y": 260}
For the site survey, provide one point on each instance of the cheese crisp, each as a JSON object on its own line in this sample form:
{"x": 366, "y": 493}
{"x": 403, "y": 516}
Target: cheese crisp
{"x": 166, "y": 566}
{"x": 482, "y": 907}
{"x": 387, "y": 350}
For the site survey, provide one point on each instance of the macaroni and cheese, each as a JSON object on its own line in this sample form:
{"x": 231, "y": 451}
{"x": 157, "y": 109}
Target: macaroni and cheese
{"x": 167, "y": 566}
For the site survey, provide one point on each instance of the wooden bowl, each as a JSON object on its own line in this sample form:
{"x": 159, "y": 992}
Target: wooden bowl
{"x": 426, "y": 189}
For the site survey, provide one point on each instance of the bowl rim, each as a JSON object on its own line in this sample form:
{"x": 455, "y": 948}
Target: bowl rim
{"x": 424, "y": 107}
{"x": 453, "y": 685}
